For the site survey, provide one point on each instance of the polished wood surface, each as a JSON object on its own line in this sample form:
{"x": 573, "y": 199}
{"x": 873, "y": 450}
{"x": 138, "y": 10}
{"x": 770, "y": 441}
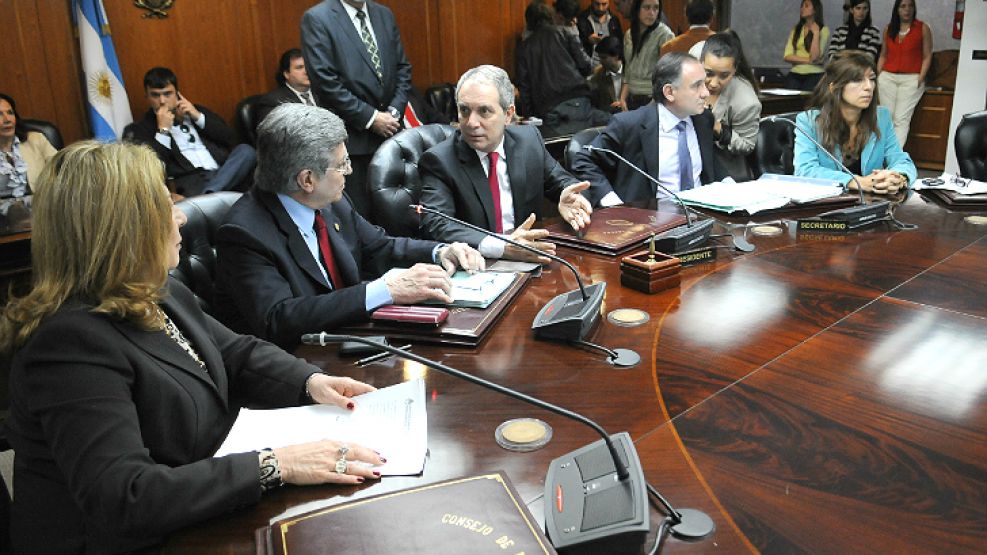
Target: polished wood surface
{"x": 825, "y": 393}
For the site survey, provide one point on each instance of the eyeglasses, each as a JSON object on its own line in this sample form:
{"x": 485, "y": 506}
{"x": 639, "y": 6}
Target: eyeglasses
{"x": 185, "y": 129}
{"x": 345, "y": 168}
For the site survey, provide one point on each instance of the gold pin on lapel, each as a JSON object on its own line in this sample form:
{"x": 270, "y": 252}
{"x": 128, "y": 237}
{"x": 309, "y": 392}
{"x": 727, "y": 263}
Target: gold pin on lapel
{"x": 336, "y": 225}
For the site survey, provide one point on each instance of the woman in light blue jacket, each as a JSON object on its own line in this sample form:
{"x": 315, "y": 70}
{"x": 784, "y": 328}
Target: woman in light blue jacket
{"x": 849, "y": 123}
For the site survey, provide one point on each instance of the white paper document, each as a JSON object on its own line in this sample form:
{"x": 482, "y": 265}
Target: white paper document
{"x": 783, "y": 92}
{"x": 951, "y": 182}
{"x": 769, "y": 192}
{"x": 391, "y": 420}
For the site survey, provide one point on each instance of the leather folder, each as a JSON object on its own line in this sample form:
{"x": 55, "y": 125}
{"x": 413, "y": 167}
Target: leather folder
{"x": 615, "y": 230}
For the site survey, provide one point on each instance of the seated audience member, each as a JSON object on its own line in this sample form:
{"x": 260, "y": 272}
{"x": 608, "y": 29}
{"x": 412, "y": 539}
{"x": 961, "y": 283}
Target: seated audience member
{"x": 493, "y": 175}
{"x": 848, "y": 122}
{"x": 551, "y": 71}
{"x": 606, "y": 80}
{"x": 733, "y": 100}
{"x": 857, "y": 33}
{"x": 596, "y": 23}
{"x": 805, "y": 47}
{"x": 22, "y": 153}
{"x": 699, "y": 14}
{"x": 642, "y": 46}
{"x": 293, "y": 255}
{"x": 293, "y": 85}
{"x": 198, "y": 149}
{"x": 122, "y": 388}
{"x": 672, "y": 142}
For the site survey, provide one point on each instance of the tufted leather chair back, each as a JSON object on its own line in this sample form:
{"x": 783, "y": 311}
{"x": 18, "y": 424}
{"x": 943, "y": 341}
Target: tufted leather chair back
{"x": 197, "y": 261}
{"x": 442, "y": 98}
{"x": 970, "y": 144}
{"x": 774, "y": 151}
{"x": 246, "y": 119}
{"x": 394, "y": 181}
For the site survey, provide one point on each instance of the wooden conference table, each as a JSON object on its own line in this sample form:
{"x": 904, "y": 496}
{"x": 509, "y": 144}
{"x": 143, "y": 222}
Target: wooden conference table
{"x": 822, "y": 394}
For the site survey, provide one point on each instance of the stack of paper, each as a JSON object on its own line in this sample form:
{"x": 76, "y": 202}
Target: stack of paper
{"x": 769, "y": 192}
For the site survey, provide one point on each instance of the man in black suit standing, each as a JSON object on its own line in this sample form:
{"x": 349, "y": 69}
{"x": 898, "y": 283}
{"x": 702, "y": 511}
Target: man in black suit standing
{"x": 295, "y": 257}
{"x": 493, "y": 175}
{"x": 671, "y": 140}
{"x": 359, "y": 71}
{"x": 293, "y": 85}
{"x": 198, "y": 149}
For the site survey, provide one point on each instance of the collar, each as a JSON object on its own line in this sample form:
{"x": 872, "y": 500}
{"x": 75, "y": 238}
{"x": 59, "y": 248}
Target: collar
{"x": 296, "y": 91}
{"x": 618, "y": 73}
{"x": 303, "y": 216}
{"x": 691, "y": 27}
{"x": 667, "y": 120}
{"x": 499, "y": 150}
{"x": 351, "y": 11}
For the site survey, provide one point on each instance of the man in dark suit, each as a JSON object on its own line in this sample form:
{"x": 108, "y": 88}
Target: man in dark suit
{"x": 671, "y": 141}
{"x": 493, "y": 175}
{"x": 198, "y": 149}
{"x": 356, "y": 61}
{"x": 605, "y": 82}
{"x": 293, "y": 254}
{"x": 293, "y": 85}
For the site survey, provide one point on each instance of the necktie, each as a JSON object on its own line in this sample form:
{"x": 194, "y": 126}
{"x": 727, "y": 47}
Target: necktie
{"x": 322, "y": 232}
{"x": 368, "y": 41}
{"x": 307, "y": 98}
{"x": 495, "y": 192}
{"x": 685, "y": 159}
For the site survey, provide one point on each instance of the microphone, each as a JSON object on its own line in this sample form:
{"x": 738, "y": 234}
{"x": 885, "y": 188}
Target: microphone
{"x": 853, "y": 217}
{"x": 567, "y": 317}
{"x": 599, "y": 492}
{"x": 677, "y": 239}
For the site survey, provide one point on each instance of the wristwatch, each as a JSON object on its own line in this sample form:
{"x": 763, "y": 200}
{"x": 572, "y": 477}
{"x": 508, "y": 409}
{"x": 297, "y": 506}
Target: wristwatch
{"x": 394, "y": 112}
{"x": 164, "y": 131}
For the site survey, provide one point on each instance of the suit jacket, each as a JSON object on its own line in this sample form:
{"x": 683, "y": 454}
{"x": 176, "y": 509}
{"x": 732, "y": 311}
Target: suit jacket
{"x": 601, "y": 89}
{"x": 217, "y": 137}
{"x": 882, "y": 152}
{"x": 115, "y": 426}
{"x": 269, "y": 285}
{"x": 343, "y": 77}
{"x": 634, "y": 135}
{"x": 281, "y": 95}
{"x": 453, "y": 182}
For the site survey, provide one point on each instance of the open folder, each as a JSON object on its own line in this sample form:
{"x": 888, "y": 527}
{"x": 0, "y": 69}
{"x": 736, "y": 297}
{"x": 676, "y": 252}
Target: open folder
{"x": 768, "y": 192}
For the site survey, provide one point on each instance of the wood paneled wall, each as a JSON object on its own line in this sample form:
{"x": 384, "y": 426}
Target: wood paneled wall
{"x": 224, "y": 51}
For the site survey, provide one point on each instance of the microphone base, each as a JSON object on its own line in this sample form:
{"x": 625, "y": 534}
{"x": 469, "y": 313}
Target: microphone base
{"x": 568, "y": 317}
{"x": 684, "y": 237}
{"x": 695, "y": 525}
{"x": 588, "y": 510}
{"x": 846, "y": 220}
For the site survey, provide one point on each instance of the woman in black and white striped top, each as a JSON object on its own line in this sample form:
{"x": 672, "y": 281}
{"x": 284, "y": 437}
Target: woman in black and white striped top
{"x": 857, "y": 33}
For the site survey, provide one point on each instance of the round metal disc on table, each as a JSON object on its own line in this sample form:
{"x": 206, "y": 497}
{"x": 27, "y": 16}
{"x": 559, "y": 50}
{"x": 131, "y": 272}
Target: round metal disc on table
{"x": 625, "y": 358}
{"x": 766, "y": 230}
{"x": 628, "y": 317}
{"x": 695, "y": 525}
{"x": 523, "y": 434}
{"x": 976, "y": 220}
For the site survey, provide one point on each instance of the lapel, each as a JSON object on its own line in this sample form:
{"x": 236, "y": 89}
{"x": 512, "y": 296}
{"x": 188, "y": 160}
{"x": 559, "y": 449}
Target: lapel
{"x": 478, "y": 180}
{"x": 345, "y": 262}
{"x": 704, "y": 135}
{"x": 516, "y": 164}
{"x": 867, "y": 153}
{"x": 296, "y": 245}
{"x": 649, "y": 144}
{"x": 342, "y": 17}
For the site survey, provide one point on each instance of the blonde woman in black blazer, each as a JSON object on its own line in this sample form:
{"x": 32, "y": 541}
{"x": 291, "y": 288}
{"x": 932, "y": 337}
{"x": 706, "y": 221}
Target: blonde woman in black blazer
{"x": 121, "y": 388}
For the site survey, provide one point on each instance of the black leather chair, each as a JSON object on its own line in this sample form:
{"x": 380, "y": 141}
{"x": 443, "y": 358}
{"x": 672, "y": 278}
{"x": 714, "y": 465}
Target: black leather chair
{"x": 197, "y": 261}
{"x": 970, "y": 144}
{"x": 442, "y": 98}
{"x": 246, "y": 119}
{"x": 47, "y": 129}
{"x": 576, "y": 143}
{"x": 774, "y": 151}
{"x": 394, "y": 181}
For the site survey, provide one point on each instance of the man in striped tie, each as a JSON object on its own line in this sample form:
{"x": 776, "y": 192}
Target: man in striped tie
{"x": 293, "y": 85}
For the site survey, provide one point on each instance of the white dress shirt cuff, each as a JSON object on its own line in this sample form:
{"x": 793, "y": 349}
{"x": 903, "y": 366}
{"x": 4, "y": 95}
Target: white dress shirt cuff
{"x": 610, "y": 199}
{"x": 201, "y": 121}
{"x": 371, "y": 122}
{"x": 377, "y": 295}
{"x": 491, "y": 247}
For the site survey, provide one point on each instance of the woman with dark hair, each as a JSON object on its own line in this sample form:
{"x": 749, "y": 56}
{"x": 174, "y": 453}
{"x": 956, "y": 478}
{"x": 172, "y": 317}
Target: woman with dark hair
{"x": 122, "y": 389}
{"x": 848, "y": 122}
{"x": 805, "y": 47}
{"x": 857, "y": 33}
{"x": 642, "y": 44}
{"x": 22, "y": 153}
{"x": 903, "y": 64}
{"x": 733, "y": 100}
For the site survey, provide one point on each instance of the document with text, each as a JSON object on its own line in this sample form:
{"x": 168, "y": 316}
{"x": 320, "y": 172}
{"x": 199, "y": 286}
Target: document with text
{"x": 392, "y": 421}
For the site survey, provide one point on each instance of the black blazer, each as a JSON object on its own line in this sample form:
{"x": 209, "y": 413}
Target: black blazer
{"x": 269, "y": 285}
{"x": 454, "y": 183}
{"x": 115, "y": 427}
{"x": 343, "y": 77}
{"x": 634, "y": 135}
{"x": 275, "y": 98}
{"x": 218, "y": 138}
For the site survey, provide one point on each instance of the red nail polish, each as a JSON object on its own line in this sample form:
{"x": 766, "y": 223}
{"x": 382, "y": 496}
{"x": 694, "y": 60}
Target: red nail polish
{"x": 377, "y": 474}
{"x": 360, "y": 480}
{"x": 350, "y": 406}
{"x": 383, "y": 460}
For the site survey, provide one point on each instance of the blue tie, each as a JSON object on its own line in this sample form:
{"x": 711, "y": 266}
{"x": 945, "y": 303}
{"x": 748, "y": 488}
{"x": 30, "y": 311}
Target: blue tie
{"x": 685, "y": 159}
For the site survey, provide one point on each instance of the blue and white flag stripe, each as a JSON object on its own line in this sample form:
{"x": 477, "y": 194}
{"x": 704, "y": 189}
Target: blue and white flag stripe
{"x": 106, "y": 98}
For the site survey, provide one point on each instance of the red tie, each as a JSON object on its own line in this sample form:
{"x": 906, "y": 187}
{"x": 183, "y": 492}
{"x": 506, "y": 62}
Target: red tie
{"x": 322, "y": 232}
{"x": 495, "y": 192}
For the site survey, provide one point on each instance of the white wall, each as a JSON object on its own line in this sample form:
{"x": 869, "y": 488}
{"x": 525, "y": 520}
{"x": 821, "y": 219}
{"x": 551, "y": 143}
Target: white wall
{"x": 971, "y": 76}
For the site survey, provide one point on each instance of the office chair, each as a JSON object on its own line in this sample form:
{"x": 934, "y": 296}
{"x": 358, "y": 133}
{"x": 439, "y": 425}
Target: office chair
{"x": 197, "y": 260}
{"x": 774, "y": 151}
{"x": 577, "y": 142}
{"x": 246, "y": 119}
{"x": 970, "y": 145}
{"x": 47, "y": 129}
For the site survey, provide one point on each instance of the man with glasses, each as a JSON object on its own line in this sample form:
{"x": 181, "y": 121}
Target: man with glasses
{"x": 198, "y": 149}
{"x": 294, "y": 256}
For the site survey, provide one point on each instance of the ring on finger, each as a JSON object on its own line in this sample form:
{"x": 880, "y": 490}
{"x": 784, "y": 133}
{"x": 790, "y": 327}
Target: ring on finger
{"x": 340, "y": 466}
{"x": 343, "y": 449}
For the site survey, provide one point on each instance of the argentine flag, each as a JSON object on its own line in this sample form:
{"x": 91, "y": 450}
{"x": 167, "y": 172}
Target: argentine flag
{"x": 109, "y": 109}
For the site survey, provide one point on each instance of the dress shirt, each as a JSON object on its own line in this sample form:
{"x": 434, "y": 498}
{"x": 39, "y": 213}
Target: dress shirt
{"x": 304, "y": 218}
{"x": 351, "y": 11}
{"x": 490, "y": 247}
{"x": 305, "y": 97}
{"x": 193, "y": 151}
{"x": 617, "y": 79}
{"x": 13, "y": 172}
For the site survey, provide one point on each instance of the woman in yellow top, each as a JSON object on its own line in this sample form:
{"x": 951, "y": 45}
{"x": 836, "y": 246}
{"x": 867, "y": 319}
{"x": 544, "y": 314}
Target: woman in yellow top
{"x": 805, "y": 47}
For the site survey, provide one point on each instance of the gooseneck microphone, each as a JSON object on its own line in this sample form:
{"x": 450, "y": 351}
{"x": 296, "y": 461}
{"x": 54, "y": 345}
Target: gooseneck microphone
{"x": 678, "y": 239}
{"x": 567, "y": 317}
{"x": 830, "y": 155}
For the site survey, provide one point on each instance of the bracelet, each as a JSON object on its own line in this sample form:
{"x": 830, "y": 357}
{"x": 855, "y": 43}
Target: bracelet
{"x": 308, "y": 380}
{"x": 270, "y": 470}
